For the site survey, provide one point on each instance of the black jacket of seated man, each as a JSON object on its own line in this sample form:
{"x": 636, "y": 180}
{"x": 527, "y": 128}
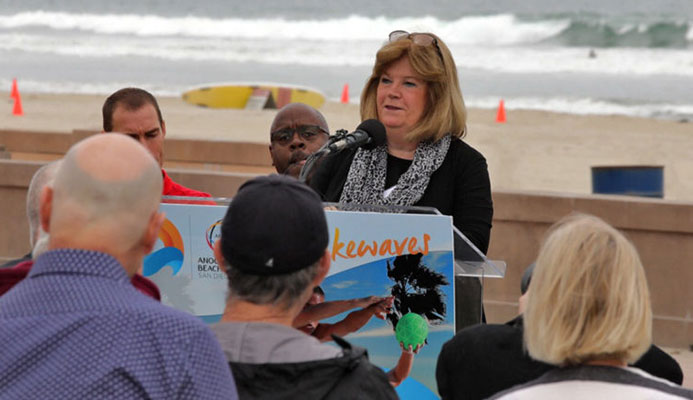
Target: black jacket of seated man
{"x": 349, "y": 376}
{"x": 483, "y": 360}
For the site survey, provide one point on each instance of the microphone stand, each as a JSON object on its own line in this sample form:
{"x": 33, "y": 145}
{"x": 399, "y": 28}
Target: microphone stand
{"x": 311, "y": 161}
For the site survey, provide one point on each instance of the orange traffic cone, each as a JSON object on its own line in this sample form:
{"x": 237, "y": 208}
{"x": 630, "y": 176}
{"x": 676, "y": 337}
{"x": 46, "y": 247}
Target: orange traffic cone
{"x": 14, "y": 93}
{"x": 17, "y": 110}
{"x": 500, "y": 117}
{"x": 345, "y": 94}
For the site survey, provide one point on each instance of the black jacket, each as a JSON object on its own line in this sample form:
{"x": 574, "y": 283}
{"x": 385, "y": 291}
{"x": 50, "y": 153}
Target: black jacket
{"x": 486, "y": 359}
{"x": 350, "y": 376}
{"x": 460, "y": 187}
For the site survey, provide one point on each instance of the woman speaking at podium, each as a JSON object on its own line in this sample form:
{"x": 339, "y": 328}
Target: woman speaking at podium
{"x": 415, "y": 93}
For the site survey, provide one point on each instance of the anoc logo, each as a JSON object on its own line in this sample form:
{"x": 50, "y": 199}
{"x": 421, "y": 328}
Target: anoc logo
{"x": 170, "y": 255}
{"x": 213, "y": 234}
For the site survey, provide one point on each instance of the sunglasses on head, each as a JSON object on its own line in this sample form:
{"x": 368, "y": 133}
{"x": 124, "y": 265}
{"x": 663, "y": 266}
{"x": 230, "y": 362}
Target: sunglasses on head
{"x": 307, "y": 132}
{"x": 420, "y": 39}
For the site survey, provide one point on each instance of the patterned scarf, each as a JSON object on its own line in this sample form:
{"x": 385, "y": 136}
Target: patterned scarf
{"x": 365, "y": 182}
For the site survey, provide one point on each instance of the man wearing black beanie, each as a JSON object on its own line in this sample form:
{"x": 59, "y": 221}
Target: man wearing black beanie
{"x": 273, "y": 247}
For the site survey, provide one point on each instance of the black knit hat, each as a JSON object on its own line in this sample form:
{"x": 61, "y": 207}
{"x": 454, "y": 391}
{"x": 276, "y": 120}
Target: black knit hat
{"x": 275, "y": 225}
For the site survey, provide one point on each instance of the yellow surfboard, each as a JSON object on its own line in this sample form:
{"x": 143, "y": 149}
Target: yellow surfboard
{"x": 237, "y": 95}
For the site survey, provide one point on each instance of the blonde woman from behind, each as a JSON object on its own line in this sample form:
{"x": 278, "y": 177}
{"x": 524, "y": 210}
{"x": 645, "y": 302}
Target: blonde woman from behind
{"x": 592, "y": 318}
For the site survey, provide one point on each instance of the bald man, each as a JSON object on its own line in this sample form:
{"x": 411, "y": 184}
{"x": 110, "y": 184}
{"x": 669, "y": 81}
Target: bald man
{"x": 76, "y": 327}
{"x": 298, "y": 130}
{"x": 14, "y": 272}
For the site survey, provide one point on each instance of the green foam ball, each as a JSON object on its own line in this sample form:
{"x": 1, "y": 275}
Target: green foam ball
{"x": 412, "y": 329}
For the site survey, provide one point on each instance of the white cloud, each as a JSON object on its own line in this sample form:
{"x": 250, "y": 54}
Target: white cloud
{"x": 344, "y": 284}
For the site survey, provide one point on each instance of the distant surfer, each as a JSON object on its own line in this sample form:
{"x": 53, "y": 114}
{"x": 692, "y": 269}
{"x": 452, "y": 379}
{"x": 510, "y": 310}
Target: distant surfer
{"x": 592, "y": 54}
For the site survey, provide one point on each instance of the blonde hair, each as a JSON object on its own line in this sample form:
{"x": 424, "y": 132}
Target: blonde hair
{"x": 589, "y": 299}
{"x": 445, "y": 111}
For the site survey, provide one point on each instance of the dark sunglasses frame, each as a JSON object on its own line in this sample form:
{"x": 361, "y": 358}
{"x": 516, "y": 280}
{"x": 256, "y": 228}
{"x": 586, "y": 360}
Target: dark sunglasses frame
{"x": 307, "y": 132}
{"x": 421, "y": 39}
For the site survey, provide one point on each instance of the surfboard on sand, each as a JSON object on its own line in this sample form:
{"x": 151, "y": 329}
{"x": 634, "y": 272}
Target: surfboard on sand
{"x": 252, "y": 95}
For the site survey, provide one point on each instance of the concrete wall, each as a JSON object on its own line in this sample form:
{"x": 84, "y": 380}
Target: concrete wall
{"x": 178, "y": 153}
{"x": 14, "y": 232}
{"x": 15, "y": 176}
{"x": 661, "y": 230}
{"x": 216, "y": 167}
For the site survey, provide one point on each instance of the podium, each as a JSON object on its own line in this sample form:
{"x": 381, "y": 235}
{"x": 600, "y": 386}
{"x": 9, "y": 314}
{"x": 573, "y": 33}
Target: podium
{"x": 471, "y": 265}
{"x": 411, "y": 253}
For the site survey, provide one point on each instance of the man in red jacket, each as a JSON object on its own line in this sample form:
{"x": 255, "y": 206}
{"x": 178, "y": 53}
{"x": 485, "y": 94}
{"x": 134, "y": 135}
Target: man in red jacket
{"x": 135, "y": 112}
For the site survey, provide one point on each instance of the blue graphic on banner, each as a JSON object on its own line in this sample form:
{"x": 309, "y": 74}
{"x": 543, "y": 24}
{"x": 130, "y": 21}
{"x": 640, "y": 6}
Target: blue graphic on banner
{"x": 411, "y": 389}
{"x": 167, "y": 256}
{"x": 378, "y": 336}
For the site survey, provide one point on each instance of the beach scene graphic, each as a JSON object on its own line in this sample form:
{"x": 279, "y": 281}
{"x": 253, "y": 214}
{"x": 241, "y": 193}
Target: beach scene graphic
{"x": 379, "y": 336}
{"x": 587, "y": 57}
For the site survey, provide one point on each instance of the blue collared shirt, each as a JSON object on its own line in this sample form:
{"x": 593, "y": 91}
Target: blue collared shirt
{"x": 77, "y": 328}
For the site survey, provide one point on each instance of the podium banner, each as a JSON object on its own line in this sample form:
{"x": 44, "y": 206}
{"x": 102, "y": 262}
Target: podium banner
{"x": 407, "y": 256}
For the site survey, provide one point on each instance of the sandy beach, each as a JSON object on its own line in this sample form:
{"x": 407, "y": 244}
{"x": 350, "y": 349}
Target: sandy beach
{"x": 533, "y": 151}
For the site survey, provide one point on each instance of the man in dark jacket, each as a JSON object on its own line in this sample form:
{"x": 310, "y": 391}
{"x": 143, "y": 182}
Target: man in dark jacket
{"x": 273, "y": 248}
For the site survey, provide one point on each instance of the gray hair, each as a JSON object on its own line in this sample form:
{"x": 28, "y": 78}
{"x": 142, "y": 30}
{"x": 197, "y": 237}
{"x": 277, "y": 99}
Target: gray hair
{"x": 277, "y": 290}
{"x": 42, "y": 177}
{"x": 41, "y": 244}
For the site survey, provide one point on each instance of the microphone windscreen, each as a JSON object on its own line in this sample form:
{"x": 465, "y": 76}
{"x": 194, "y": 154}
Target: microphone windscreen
{"x": 376, "y": 130}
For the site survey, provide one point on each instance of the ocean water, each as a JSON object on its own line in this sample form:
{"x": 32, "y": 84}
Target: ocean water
{"x": 534, "y": 54}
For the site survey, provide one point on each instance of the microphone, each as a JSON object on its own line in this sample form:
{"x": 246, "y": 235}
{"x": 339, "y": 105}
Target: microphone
{"x": 369, "y": 134}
